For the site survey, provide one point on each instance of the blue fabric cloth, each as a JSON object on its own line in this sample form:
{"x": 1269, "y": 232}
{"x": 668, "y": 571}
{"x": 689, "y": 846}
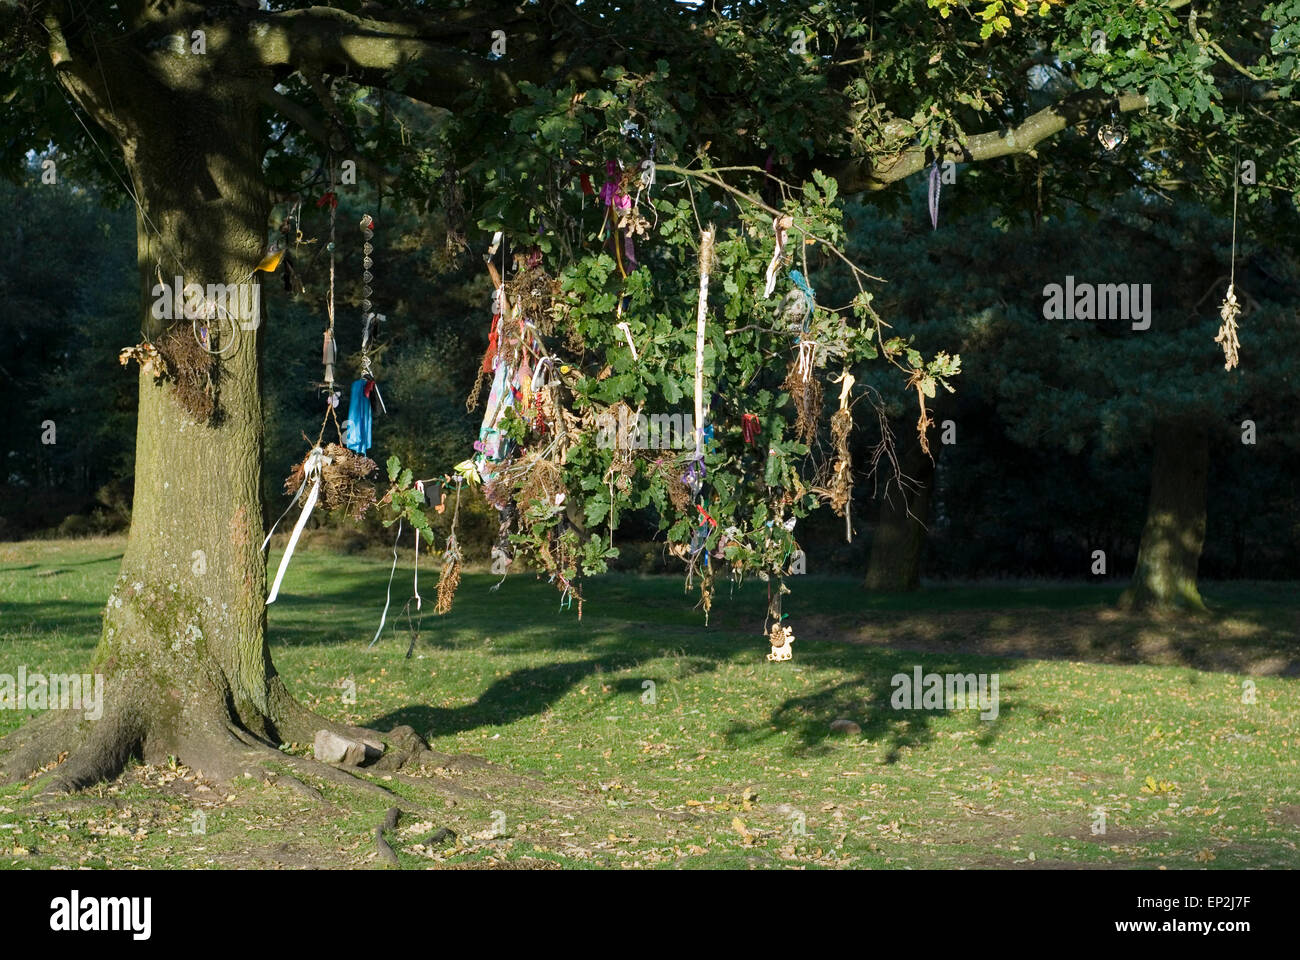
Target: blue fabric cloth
{"x": 356, "y": 430}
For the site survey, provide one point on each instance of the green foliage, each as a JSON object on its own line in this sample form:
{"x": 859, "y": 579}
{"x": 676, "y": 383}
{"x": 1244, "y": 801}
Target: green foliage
{"x": 752, "y": 492}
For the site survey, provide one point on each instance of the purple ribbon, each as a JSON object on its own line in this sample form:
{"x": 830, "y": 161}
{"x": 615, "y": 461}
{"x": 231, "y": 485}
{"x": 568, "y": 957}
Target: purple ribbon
{"x": 611, "y": 184}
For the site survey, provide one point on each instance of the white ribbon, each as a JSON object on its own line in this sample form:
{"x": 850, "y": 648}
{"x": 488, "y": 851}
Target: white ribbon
{"x": 806, "y": 350}
{"x": 779, "y": 227}
{"x": 848, "y": 380}
{"x": 311, "y": 472}
{"x": 292, "y": 501}
{"x": 543, "y": 374}
{"x": 627, "y": 333}
{"x": 419, "y": 600}
{"x": 387, "y": 600}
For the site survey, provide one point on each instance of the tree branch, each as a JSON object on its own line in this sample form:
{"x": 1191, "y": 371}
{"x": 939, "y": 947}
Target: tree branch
{"x": 412, "y": 57}
{"x": 854, "y": 177}
{"x": 320, "y": 131}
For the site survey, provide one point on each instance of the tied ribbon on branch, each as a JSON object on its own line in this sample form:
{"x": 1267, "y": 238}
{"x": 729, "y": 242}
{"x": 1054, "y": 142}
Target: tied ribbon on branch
{"x": 780, "y": 225}
{"x": 316, "y": 460}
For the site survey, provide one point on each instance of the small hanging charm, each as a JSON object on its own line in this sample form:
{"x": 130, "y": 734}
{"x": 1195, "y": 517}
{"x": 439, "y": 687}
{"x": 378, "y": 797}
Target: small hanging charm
{"x": 1229, "y": 310}
{"x": 329, "y": 357}
{"x": 1112, "y": 136}
{"x": 781, "y": 638}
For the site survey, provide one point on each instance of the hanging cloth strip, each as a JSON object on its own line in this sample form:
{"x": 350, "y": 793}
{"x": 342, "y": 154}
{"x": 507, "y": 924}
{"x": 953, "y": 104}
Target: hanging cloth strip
{"x": 627, "y": 333}
{"x": 936, "y": 181}
{"x": 807, "y": 350}
{"x": 802, "y": 284}
{"x": 312, "y": 474}
{"x": 356, "y": 429}
{"x": 384, "y": 616}
{"x": 779, "y": 227}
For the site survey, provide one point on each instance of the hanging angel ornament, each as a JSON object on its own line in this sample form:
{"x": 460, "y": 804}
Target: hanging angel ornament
{"x": 781, "y": 638}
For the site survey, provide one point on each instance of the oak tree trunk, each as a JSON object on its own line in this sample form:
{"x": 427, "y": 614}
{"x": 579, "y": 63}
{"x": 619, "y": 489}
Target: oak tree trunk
{"x": 1174, "y": 534}
{"x": 899, "y": 538}
{"x": 183, "y": 650}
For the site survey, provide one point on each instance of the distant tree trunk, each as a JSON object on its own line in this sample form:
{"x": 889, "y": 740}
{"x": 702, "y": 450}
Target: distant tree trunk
{"x": 895, "y": 564}
{"x": 1175, "y": 527}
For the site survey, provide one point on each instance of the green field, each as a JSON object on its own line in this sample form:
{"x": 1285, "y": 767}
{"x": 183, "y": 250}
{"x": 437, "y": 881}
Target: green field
{"x": 559, "y": 755}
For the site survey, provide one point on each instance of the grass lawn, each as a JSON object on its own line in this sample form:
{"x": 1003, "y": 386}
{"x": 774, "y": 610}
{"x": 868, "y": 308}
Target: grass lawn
{"x": 641, "y": 737}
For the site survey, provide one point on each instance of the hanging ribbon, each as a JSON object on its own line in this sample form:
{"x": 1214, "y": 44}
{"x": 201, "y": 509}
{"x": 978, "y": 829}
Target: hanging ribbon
{"x": 292, "y": 501}
{"x": 311, "y": 472}
{"x": 694, "y": 475}
{"x": 627, "y": 333}
{"x": 779, "y": 227}
{"x": 610, "y": 187}
{"x": 848, "y": 381}
{"x": 802, "y": 283}
{"x": 419, "y": 600}
{"x": 701, "y": 313}
{"x": 750, "y": 426}
{"x": 356, "y": 429}
{"x": 372, "y": 386}
{"x": 544, "y": 373}
{"x": 494, "y": 343}
{"x": 807, "y": 350}
{"x": 384, "y": 616}
{"x": 935, "y": 187}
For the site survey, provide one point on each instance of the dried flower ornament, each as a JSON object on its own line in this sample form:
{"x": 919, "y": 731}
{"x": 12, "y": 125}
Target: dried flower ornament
{"x": 1229, "y": 310}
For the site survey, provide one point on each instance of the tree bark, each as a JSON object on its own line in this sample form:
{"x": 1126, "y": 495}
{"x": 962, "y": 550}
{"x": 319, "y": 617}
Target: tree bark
{"x": 1165, "y": 577}
{"x": 899, "y": 538}
{"x": 183, "y": 651}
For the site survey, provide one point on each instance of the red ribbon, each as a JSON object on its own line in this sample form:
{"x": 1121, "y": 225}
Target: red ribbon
{"x": 587, "y": 188}
{"x": 328, "y": 197}
{"x": 368, "y": 388}
{"x": 751, "y": 427}
{"x": 489, "y": 358}
{"x": 705, "y": 514}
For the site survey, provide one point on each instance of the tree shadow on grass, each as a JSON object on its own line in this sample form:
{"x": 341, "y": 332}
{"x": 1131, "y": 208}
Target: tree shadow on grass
{"x": 866, "y": 699}
{"x": 57, "y": 566}
{"x": 48, "y": 616}
{"x": 520, "y": 694}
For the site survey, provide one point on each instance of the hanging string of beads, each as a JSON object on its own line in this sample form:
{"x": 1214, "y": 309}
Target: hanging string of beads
{"x": 368, "y": 315}
{"x": 330, "y": 351}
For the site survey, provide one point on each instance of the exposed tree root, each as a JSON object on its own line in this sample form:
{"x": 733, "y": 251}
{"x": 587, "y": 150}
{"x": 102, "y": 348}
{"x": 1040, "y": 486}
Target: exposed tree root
{"x": 386, "y": 852}
{"x": 65, "y": 752}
